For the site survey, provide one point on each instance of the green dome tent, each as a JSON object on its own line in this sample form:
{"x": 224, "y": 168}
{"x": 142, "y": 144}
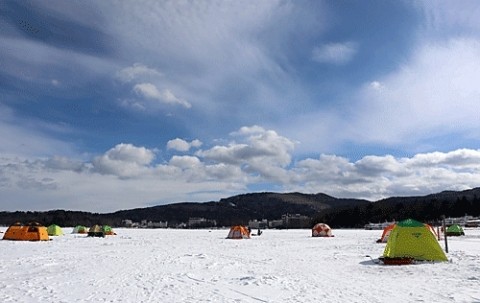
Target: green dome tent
{"x": 412, "y": 240}
{"x": 80, "y": 229}
{"x": 108, "y": 231}
{"x": 54, "y": 230}
{"x": 455, "y": 230}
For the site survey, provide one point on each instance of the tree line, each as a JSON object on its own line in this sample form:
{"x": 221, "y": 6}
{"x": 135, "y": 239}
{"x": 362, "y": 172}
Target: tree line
{"x": 396, "y": 209}
{"x": 347, "y": 213}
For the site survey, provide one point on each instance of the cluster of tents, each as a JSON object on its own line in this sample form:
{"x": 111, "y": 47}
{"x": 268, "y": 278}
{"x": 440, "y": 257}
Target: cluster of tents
{"x": 242, "y": 232}
{"x": 35, "y": 231}
{"x": 406, "y": 241}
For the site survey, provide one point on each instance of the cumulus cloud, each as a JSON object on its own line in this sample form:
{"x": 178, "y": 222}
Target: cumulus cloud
{"x": 377, "y": 177}
{"x": 335, "y": 53}
{"x": 185, "y": 161}
{"x": 124, "y": 160}
{"x": 150, "y": 91}
{"x": 182, "y": 145}
{"x": 257, "y": 145}
{"x": 260, "y": 152}
{"x": 127, "y": 176}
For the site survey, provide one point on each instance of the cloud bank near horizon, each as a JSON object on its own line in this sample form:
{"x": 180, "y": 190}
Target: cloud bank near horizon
{"x": 127, "y": 176}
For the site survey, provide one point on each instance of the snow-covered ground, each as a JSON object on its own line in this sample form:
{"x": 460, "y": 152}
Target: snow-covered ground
{"x": 166, "y": 265}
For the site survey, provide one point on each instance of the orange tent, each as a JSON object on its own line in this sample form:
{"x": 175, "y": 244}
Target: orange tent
{"x": 432, "y": 230}
{"x": 238, "y": 232}
{"x": 30, "y": 232}
{"x": 321, "y": 230}
{"x": 386, "y": 233}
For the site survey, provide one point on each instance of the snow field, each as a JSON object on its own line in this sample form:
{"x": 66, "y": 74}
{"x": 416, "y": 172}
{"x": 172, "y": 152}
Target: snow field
{"x": 173, "y": 265}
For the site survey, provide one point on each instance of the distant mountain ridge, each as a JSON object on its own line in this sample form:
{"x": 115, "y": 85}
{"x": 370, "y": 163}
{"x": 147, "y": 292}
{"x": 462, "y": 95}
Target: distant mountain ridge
{"x": 240, "y": 209}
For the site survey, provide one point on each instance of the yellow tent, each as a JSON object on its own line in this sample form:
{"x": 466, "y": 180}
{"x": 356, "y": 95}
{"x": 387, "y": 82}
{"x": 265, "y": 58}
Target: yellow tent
{"x": 412, "y": 240}
{"x": 54, "y": 230}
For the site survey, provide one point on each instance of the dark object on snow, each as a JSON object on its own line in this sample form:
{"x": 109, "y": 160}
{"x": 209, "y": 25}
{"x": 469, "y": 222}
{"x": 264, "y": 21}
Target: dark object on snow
{"x": 96, "y": 231}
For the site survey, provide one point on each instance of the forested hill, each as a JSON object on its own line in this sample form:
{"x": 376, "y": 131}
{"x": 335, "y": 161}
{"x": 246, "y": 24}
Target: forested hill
{"x": 429, "y": 208}
{"x": 242, "y": 208}
{"x": 233, "y": 210}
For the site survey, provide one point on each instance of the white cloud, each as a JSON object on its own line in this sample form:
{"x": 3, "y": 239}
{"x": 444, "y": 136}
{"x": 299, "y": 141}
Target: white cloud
{"x": 335, "y": 53}
{"x": 182, "y": 145}
{"x": 377, "y": 177}
{"x": 217, "y": 53}
{"x": 375, "y": 85}
{"x": 184, "y": 162}
{"x": 261, "y": 153}
{"x": 260, "y": 147}
{"x": 150, "y": 91}
{"x": 141, "y": 76}
{"x": 124, "y": 160}
{"x": 137, "y": 72}
{"x": 126, "y": 176}
{"x": 461, "y": 158}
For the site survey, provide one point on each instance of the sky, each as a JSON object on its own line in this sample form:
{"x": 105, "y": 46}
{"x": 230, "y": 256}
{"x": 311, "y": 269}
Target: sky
{"x": 109, "y": 105}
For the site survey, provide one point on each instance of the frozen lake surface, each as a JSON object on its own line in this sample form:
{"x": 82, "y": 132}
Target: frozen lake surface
{"x": 169, "y": 265}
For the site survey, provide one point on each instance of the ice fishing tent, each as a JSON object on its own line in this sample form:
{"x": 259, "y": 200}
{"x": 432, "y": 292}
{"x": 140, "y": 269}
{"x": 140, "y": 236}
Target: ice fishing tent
{"x": 96, "y": 231}
{"x": 386, "y": 233}
{"x": 412, "y": 240}
{"x": 29, "y": 232}
{"x": 80, "y": 229}
{"x": 108, "y": 231}
{"x": 455, "y": 230}
{"x": 321, "y": 230}
{"x": 54, "y": 230}
{"x": 389, "y": 228}
{"x": 238, "y": 232}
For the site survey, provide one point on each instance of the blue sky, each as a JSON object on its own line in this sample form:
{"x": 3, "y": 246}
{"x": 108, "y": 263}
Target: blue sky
{"x": 108, "y": 105}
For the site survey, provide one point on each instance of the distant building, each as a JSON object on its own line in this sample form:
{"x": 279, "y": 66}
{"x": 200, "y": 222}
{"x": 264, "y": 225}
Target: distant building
{"x": 254, "y": 224}
{"x": 291, "y": 221}
{"x": 127, "y": 223}
{"x": 275, "y": 224}
{"x": 160, "y": 224}
{"x": 296, "y": 221}
{"x": 379, "y": 226}
{"x": 196, "y": 222}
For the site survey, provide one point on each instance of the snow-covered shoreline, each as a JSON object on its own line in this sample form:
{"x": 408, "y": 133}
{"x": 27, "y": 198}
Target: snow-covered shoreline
{"x": 171, "y": 265}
